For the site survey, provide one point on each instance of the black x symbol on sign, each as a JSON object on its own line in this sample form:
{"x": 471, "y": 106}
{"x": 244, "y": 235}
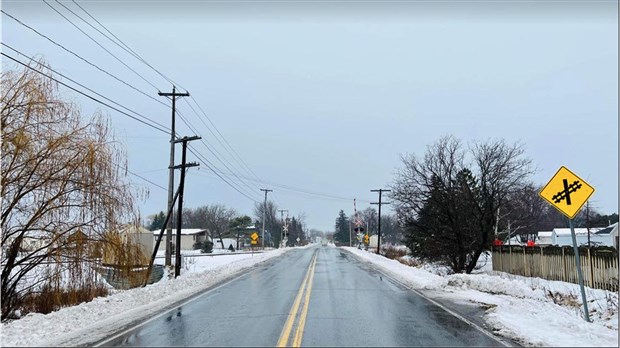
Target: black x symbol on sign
{"x": 568, "y": 189}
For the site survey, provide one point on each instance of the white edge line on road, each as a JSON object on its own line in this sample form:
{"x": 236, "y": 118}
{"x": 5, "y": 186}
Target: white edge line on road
{"x": 384, "y": 271}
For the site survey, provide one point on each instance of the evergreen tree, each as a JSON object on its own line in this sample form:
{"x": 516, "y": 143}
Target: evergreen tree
{"x": 342, "y": 234}
{"x": 157, "y": 221}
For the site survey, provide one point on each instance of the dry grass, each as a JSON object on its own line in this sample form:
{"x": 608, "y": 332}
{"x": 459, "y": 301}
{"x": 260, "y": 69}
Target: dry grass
{"x": 50, "y": 299}
{"x": 393, "y": 253}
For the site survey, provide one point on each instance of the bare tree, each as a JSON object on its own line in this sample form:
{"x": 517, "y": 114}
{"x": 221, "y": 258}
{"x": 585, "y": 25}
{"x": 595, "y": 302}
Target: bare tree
{"x": 370, "y": 217}
{"x": 502, "y": 171}
{"x": 62, "y": 185}
{"x": 272, "y": 223}
{"x": 215, "y": 217}
{"x": 450, "y": 211}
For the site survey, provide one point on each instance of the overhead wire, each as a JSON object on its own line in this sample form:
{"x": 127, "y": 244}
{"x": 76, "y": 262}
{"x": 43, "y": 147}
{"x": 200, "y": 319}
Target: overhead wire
{"x": 226, "y": 141}
{"x": 98, "y": 44}
{"x": 301, "y": 190}
{"x": 203, "y": 141}
{"x": 165, "y": 129}
{"x": 82, "y": 58}
{"x": 85, "y": 87}
{"x": 129, "y": 50}
{"x": 136, "y": 55}
{"x": 209, "y": 166}
{"x": 141, "y": 177}
{"x": 237, "y": 162}
{"x": 133, "y": 53}
{"x": 85, "y": 94}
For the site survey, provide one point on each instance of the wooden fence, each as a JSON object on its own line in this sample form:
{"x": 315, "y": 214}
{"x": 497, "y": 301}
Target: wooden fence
{"x": 599, "y": 265}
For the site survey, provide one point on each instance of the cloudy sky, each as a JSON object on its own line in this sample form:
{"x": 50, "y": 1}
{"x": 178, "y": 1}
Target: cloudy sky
{"x": 318, "y": 100}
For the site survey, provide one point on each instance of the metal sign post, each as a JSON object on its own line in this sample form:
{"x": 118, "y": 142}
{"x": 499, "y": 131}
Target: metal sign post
{"x": 568, "y": 193}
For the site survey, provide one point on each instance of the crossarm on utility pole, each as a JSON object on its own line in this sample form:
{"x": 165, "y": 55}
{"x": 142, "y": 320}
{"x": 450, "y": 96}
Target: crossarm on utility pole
{"x": 174, "y": 95}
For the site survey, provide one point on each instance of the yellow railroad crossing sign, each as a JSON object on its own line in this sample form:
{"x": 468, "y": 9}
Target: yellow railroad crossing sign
{"x": 566, "y": 192}
{"x": 254, "y": 237}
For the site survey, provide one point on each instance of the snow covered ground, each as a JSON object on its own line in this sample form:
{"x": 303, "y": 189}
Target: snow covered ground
{"x": 532, "y": 311}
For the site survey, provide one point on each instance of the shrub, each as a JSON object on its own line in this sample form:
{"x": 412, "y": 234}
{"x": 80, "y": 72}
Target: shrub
{"x": 393, "y": 253}
{"x": 207, "y": 247}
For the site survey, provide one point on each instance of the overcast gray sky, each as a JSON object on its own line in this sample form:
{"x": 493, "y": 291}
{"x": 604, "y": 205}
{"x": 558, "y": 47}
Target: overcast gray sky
{"x": 319, "y": 99}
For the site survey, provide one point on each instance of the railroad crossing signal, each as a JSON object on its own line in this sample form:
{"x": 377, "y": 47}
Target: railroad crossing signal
{"x": 566, "y": 192}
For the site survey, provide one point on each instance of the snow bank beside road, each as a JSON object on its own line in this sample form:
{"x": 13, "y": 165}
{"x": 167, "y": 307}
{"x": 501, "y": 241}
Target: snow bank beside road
{"x": 533, "y": 311}
{"x": 95, "y": 320}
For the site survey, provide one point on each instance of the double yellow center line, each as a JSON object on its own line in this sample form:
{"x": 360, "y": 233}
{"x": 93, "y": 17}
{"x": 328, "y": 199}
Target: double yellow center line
{"x": 295, "y": 313}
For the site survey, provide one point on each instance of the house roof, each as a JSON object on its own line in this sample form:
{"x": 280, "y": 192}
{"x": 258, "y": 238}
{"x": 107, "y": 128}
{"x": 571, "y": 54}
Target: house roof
{"x": 609, "y": 229}
{"x": 133, "y": 229}
{"x": 566, "y": 231}
{"x": 185, "y": 231}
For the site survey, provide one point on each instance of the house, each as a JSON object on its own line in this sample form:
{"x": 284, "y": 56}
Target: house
{"x": 217, "y": 243}
{"x": 562, "y": 236}
{"x": 140, "y": 236}
{"x": 189, "y": 237}
{"x": 610, "y": 235}
{"x": 546, "y": 238}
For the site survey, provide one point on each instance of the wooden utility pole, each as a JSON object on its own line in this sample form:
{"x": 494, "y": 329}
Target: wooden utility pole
{"x": 264, "y": 214}
{"x": 152, "y": 260}
{"x": 182, "y": 166}
{"x": 174, "y": 94}
{"x": 282, "y": 221}
{"x": 379, "y": 223}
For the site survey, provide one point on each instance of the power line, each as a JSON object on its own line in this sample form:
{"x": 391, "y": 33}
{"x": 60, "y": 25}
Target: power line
{"x": 84, "y": 94}
{"x": 193, "y": 129}
{"x": 136, "y": 55}
{"x": 98, "y": 44}
{"x": 141, "y": 177}
{"x": 85, "y": 87}
{"x": 300, "y": 190}
{"x": 217, "y": 130}
{"x": 205, "y": 161}
{"x": 129, "y": 50}
{"x": 214, "y": 135}
{"x": 83, "y": 59}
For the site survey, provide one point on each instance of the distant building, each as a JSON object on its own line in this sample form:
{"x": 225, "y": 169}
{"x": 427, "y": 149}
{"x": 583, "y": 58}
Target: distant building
{"x": 599, "y": 236}
{"x": 189, "y": 237}
{"x": 610, "y": 233}
{"x": 217, "y": 243}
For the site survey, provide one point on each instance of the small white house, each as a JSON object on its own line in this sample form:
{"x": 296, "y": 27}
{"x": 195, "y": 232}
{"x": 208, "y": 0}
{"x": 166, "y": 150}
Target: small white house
{"x": 217, "y": 243}
{"x": 189, "y": 237}
{"x": 562, "y": 236}
{"x": 546, "y": 238}
{"x": 610, "y": 235}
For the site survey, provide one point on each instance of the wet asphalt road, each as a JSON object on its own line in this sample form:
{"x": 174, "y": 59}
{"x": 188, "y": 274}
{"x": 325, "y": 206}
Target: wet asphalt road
{"x": 320, "y": 296}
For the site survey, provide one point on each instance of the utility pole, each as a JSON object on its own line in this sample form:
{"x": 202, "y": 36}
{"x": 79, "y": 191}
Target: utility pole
{"x": 379, "y": 223}
{"x": 282, "y": 220}
{"x": 174, "y": 94}
{"x": 182, "y": 166}
{"x": 264, "y": 214}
